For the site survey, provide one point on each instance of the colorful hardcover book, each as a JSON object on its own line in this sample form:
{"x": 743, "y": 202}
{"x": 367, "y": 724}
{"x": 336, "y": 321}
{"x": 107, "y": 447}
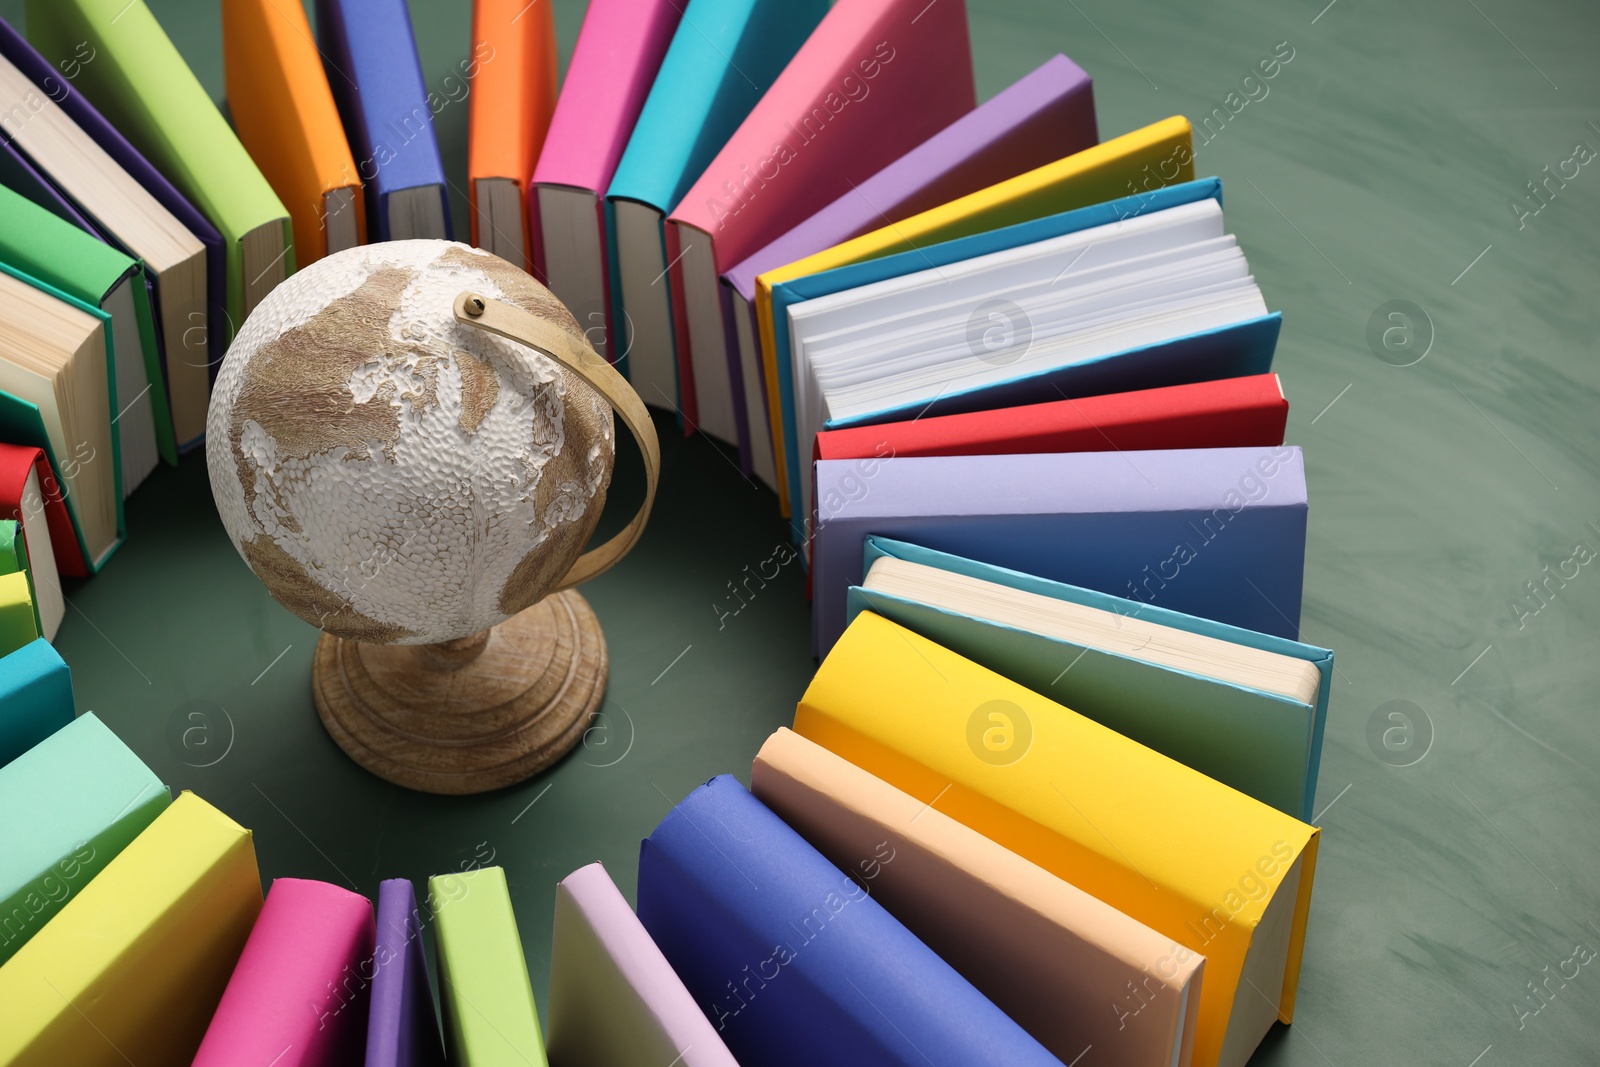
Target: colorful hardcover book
{"x": 40, "y": 244}
{"x": 372, "y": 67}
{"x": 614, "y": 998}
{"x": 17, "y": 615}
{"x": 513, "y": 95}
{"x": 1214, "y": 532}
{"x": 876, "y": 79}
{"x": 1048, "y": 954}
{"x": 1156, "y": 155}
{"x": 298, "y": 995}
{"x": 487, "y": 1001}
{"x": 792, "y": 960}
{"x": 76, "y": 155}
{"x": 1217, "y": 872}
{"x": 1246, "y": 708}
{"x": 283, "y": 108}
{"x": 58, "y": 375}
{"x": 142, "y": 84}
{"x": 402, "y": 1029}
{"x": 132, "y": 967}
{"x": 14, "y": 560}
{"x": 1228, "y": 413}
{"x": 1042, "y": 117}
{"x": 619, "y": 50}
{"x": 25, "y": 466}
{"x": 35, "y": 700}
{"x": 724, "y": 56}
{"x": 72, "y": 804}
{"x": 18, "y": 173}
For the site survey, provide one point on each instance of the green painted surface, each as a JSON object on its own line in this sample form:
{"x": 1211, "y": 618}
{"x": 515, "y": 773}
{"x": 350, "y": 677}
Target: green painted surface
{"x": 1379, "y": 166}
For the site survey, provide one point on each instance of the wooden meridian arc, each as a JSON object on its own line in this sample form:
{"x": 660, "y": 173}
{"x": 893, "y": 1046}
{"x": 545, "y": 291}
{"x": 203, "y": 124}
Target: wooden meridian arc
{"x": 496, "y": 707}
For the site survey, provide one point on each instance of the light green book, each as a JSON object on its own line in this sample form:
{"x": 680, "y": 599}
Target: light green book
{"x": 72, "y": 802}
{"x": 58, "y": 375}
{"x": 140, "y": 82}
{"x": 40, "y": 243}
{"x": 490, "y": 1019}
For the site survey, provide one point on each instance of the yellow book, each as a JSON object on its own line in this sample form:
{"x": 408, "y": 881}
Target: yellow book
{"x": 131, "y": 969}
{"x": 1214, "y": 870}
{"x": 1161, "y": 153}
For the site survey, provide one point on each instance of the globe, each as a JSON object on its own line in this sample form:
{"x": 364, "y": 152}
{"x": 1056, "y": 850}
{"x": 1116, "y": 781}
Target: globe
{"x": 391, "y": 475}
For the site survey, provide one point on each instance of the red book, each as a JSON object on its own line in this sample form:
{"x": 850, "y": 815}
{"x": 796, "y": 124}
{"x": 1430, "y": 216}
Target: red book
{"x": 1230, "y": 413}
{"x": 16, "y": 463}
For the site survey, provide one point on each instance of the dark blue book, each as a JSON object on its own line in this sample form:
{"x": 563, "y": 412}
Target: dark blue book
{"x": 371, "y": 57}
{"x": 793, "y": 961}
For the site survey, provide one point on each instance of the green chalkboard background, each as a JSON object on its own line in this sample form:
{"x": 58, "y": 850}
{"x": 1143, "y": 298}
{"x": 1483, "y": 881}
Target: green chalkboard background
{"x": 1382, "y": 165}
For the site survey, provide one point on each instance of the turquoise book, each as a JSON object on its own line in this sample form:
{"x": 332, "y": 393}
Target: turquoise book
{"x": 723, "y": 58}
{"x": 1245, "y": 708}
{"x": 72, "y": 803}
{"x": 35, "y": 698}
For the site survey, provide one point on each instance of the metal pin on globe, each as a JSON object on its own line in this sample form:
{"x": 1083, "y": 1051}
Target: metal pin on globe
{"x": 410, "y": 444}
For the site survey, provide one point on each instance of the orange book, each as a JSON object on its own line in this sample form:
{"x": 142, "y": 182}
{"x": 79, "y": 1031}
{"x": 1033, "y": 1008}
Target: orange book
{"x": 284, "y": 113}
{"x": 512, "y": 98}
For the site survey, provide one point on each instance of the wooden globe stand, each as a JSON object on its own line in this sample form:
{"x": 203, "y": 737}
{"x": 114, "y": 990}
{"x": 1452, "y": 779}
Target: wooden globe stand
{"x": 495, "y": 707}
{"x": 469, "y": 715}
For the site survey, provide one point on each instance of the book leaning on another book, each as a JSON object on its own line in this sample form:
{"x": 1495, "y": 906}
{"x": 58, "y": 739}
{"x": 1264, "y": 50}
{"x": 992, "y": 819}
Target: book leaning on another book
{"x": 1248, "y": 709}
{"x": 162, "y": 325}
{"x": 723, "y": 57}
{"x": 44, "y": 587}
{"x": 1047, "y": 953}
{"x": 142, "y": 84}
{"x": 1202, "y": 864}
{"x": 57, "y": 384}
{"x": 619, "y": 50}
{"x": 280, "y": 102}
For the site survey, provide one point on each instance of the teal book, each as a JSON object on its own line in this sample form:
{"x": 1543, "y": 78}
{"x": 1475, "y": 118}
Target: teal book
{"x": 71, "y": 803}
{"x": 35, "y": 698}
{"x": 1212, "y": 701}
{"x": 723, "y": 58}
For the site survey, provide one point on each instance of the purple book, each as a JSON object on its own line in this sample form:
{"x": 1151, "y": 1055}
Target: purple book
{"x": 19, "y": 175}
{"x": 402, "y": 1029}
{"x": 58, "y": 87}
{"x": 1214, "y": 532}
{"x": 1044, "y": 116}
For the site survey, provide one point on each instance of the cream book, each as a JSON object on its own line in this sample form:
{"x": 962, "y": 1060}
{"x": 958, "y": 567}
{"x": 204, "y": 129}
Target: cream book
{"x": 1074, "y": 972}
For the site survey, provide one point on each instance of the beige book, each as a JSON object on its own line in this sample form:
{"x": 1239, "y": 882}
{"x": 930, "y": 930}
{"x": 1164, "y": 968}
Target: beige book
{"x": 1085, "y": 980}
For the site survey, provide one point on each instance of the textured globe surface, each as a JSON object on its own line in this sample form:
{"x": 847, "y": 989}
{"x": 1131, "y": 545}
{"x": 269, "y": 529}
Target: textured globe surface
{"x": 391, "y": 475}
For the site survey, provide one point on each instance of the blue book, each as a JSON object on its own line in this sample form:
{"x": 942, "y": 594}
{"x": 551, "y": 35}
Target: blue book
{"x": 35, "y": 698}
{"x": 793, "y": 961}
{"x": 1263, "y": 742}
{"x": 723, "y": 58}
{"x": 1214, "y": 532}
{"x": 1234, "y": 351}
{"x": 376, "y": 77}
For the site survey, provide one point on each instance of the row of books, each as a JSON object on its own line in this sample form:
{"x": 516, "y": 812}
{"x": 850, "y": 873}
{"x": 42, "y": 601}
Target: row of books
{"x": 937, "y": 855}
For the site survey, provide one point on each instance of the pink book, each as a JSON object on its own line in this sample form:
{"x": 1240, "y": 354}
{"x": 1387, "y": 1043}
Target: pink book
{"x": 613, "y": 66}
{"x": 614, "y": 998}
{"x": 297, "y": 997}
{"x": 875, "y": 79}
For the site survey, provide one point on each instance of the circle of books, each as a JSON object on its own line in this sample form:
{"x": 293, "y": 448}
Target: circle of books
{"x": 1047, "y": 798}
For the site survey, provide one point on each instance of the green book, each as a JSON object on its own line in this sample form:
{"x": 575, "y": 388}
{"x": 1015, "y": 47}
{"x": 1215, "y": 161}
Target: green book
{"x": 72, "y": 802}
{"x": 42, "y": 244}
{"x": 60, "y": 385}
{"x": 140, "y": 82}
{"x": 490, "y": 1019}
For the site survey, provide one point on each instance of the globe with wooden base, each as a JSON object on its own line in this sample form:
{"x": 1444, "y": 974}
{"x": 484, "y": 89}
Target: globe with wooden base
{"x": 410, "y": 445}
